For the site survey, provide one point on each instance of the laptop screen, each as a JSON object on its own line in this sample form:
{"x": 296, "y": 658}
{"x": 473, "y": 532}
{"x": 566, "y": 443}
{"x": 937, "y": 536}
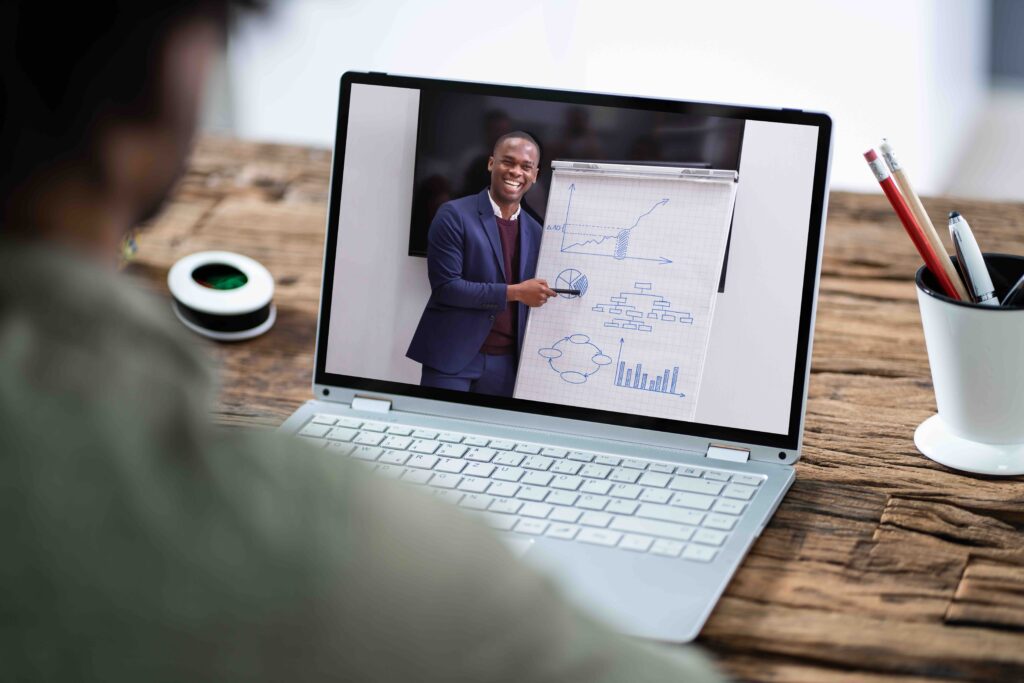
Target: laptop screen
{"x": 624, "y": 260}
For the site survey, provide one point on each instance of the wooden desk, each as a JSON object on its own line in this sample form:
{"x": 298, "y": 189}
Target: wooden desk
{"x": 880, "y": 565}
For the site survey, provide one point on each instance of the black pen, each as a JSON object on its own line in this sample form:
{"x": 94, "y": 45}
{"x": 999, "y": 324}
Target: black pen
{"x": 570, "y": 292}
{"x": 1014, "y": 296}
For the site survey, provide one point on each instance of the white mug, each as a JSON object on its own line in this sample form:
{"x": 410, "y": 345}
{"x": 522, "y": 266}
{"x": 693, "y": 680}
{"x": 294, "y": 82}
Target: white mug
{"x": 976, "y": 354}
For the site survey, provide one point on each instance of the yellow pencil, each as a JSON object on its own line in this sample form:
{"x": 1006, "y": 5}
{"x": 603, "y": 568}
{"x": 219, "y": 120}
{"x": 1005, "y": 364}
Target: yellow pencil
{"x": 903, "y": 183}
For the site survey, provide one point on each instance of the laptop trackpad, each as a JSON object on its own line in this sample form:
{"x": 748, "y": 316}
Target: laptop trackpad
{"x": 518, "y": 545}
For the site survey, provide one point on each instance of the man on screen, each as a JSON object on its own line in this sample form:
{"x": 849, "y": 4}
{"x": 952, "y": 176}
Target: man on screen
{"x": 481, "y": 260}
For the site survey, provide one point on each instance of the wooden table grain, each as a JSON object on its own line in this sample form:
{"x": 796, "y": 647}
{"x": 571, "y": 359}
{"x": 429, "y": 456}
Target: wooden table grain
{"x": 880, "y": 564}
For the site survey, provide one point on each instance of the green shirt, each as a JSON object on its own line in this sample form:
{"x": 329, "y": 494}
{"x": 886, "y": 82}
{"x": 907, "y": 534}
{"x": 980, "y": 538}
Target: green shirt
{"x": 141, "y": 543}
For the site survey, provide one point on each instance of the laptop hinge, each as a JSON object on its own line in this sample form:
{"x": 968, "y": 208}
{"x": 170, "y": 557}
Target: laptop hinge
{"x": 729, "y": 453}
{"x": 371, "y": 405}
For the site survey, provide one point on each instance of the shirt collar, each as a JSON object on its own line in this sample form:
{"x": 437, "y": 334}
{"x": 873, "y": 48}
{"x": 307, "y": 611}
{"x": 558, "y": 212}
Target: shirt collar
{"x": 497, "y": 209}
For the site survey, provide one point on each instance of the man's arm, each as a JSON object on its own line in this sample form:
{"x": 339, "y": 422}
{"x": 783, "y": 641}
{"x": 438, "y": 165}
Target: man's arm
{"x": 444, "y": 267}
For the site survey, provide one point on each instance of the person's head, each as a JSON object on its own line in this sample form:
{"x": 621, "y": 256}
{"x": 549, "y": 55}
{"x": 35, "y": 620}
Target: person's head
{"x": 514, "y": 165}
{"x": 101, "y": 102}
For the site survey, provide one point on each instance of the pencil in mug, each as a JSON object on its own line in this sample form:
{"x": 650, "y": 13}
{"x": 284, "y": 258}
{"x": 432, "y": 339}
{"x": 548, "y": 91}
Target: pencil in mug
{"x": 924, "y": 248}
{"x": 917, "y": 208}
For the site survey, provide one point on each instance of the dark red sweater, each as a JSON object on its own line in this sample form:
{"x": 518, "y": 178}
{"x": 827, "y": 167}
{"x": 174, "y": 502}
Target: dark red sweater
{"x": 502, "y": 338}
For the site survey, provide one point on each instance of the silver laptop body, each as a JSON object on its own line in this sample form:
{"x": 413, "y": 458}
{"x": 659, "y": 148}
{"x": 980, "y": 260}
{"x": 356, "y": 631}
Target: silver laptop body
{"x": 667, "y": 509}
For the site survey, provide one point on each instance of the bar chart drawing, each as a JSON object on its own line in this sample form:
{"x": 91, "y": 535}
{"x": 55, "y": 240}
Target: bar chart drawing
{"x": 636, "y": 377}
{"x": 641, "y": 309}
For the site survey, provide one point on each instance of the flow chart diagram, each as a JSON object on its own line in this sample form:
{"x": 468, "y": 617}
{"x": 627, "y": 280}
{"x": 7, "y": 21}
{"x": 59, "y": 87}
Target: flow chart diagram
{"x": 641, "y": 309}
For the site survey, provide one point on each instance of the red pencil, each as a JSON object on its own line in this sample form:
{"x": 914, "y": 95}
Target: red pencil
{"x": 917, "y": 236}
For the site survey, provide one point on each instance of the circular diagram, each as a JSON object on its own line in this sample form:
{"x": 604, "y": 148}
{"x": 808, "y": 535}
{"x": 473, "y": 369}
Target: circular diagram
{"x": 575, "y": 358}
{"x": 570, "y": 278}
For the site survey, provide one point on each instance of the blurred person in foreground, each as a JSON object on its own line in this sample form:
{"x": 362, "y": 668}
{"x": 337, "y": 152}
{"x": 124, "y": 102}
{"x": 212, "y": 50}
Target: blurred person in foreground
{"x": 139, "y": 542}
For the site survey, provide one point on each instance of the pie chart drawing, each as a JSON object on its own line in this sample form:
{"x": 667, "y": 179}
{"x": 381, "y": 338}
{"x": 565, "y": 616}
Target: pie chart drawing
{"x": 570, "y": 278}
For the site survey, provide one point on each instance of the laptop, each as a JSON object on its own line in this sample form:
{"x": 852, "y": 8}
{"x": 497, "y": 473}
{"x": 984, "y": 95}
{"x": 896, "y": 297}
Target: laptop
{"x": 645, "y": 421}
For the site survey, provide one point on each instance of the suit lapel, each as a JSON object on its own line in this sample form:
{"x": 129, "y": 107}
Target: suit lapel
{"x": 491, "y": 230}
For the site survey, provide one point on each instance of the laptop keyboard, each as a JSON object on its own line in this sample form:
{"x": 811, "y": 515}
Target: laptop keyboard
{"x": 533, "y": 489}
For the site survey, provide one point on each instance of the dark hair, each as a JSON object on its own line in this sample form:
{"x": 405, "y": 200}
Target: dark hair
{"x": 520, "y": 135}
{"x": 67, "y": 70}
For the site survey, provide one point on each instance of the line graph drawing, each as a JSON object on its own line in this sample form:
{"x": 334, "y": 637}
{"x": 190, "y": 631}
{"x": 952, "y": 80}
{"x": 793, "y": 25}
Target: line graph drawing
{"x": 634, "y": 377}
{"x": 575, "y": 358}
{"x": 608, "y": 240}
{"x": 641, "y": 310}
{"x": 570, "y": 278}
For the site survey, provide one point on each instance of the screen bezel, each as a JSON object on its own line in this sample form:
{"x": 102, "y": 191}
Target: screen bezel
{"x": 790, "y": 440}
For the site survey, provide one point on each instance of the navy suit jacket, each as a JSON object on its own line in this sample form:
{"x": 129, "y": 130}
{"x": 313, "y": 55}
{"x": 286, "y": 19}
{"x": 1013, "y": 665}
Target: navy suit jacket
{"x": 467, "y": 282}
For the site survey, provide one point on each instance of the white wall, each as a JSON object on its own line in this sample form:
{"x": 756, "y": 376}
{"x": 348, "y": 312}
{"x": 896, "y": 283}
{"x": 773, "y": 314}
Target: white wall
{"x": 913, "y": 70}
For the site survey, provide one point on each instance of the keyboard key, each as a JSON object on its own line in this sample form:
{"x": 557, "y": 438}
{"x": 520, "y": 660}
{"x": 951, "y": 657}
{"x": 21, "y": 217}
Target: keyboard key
{"x": 502, "y": 444}
{"x": 423, "y": 462}
{"x": 659, "y": 496}
{"x": 479, "y": 469}
{"x": 652, "y": 528}
{"x": 666, "y": 548}
{"x": 661, "y": 468}
{"x": 340, "y": 447}
{"x": 655, "y": 479}
{"x": 565, "y": 532}
{"x": 562, "y": 498}
{"x": 723, "y": 522}
{"x": 630, "y": 491}
{"x": 528, "y": 448}
{"x": 448, "y": 495}
{"x": 538, "y": 462}
{"x": 636, "y": 543}
{"x": 417, "y": 476}
{"x": 670, "y": 514}
{"x": 537, "y": 478}
{"x": 476, "y": 501}
{"x": 601, "y": 519}
{"x": 747, "y": 480}
{"x": 609, "y": 460}
{"x": 392, "y": 471}
{"x": 596, "y": 471}
{"x": 566, "y": 467}
{"x": 739, "y": 491}
{"x": 534, "y": 527}
{"x": 425, "y": 434}
{"x": 474, "y": 484}
{"x": 445, "y": 480}
{"x": 553, "y": 452}
{"x": 324, "y": 419}
{"x": 699, "y": 553}
{"x": 453, "y": 465}
{"x": 424, "y": 446}
{"x": 503, "y": 522}
{"x": 729, "y": 507}
{"x": 507, "y": 458}
{"x": 399, "y": 430}
{"x": 569, "y": 515}
{"x": 599, "y": 537}
{"x": 508, "y": 506}
{"x": 342, "y": 434}
{"x": 704, "y": 486}
{"x": 315, "y": 430}
{"x": 481, "y": 454}
{"x": 580, "y": 456}
{"x": 539, "y": 510}
{"x": 368, "y": 438}
{"x": 634, "y": 464}
{"x": 622, "y": 507}
{"x": 534, "y": 493}
{"x": 451, "y": 450}
{"x": 566, "y": 482}
{"x": 374, "y": 427}
{"x": 449, "y": 437}
{"x": 503, "y": 488}
{"x": 505, "y": 473}
{"x": 690, "y": 471}
{"x": 476, "y": 441}
{"x": 349, "y": 422}
{"x": 626, "y": 476}
{"x": 394, "y": 457}
{"x": 367, "y": 452}
{"x": 709, "y": 537}
{"x": 693, "y": 500}
{"x": 592, "y": 502}
{"x": 314, "y": 442}
{"x": 399, "y": 442}
{"x": 596, "y": 487}
{"x": 714, "y": 475}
